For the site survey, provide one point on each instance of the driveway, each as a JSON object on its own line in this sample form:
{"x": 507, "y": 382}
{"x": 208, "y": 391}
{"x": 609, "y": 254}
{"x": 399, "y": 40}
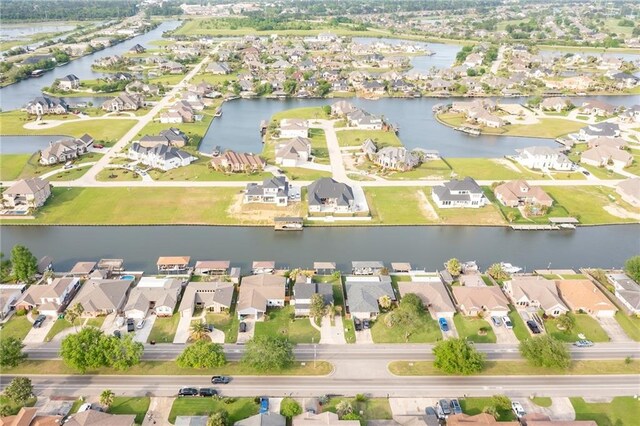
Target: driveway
{"x": 158, "y": 413}
{"x": 503, "y": 334}
{"x": 142, "y": 335}
{"x": 37, "y": 335}
{"x": 332, "y": 335}
{"x": 183, "y": 330}
{"x": 363, "y": 337}
{"x": 247, "y": 335}
{"x": 453, "y": 331}
{"x": 560, "y": 409}
{"x": 410, "y": 406}
{"x": 613, "y": 329}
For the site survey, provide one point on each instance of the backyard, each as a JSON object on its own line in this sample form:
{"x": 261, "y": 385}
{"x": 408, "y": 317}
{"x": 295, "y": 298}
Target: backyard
{"x": 357, "y": 137}
{"x": 398, "y": 206}
{"x": 587, "y": 203}
{"x": 281, "y": 322}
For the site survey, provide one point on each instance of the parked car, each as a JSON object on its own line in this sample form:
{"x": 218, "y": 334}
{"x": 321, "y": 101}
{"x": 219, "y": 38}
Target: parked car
{"x": 586, "y": 173}
{"x": 264, "y": 405}
{"x": 496, "y": 321}
{"x": 243, "y": 327}
{"x": 98, "y": 146}
{"x": 583, "y": 343}
{"x": 208, "y": 392}
{"x": 518, "y": 409}
{"x": 507, "y": 322}
{"x": 141, "y": 324}
{"x": 188, "y": 392}
{"x": 455, "y": 407}
{"x": 446, "y": 408}
{"x": 130, "y": 325}
{"x": 84, "y": 407}
{"x": 533, "y": 326}
{"x": 210, "y": 327}
{"x": 39, "y": 320}
{"x": 119, "y": 321}
{"x": 366, "y": 324}
{"x": 117, "y": 334}
{"x": 444, "y": 326}
{"x": 357, "y": 324}
{"x": 220, "y": 380}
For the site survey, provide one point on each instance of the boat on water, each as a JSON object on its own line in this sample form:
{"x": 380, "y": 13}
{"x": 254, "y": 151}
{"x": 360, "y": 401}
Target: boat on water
{"x": 509, "y": 268}
{"x": 218, "y": 113}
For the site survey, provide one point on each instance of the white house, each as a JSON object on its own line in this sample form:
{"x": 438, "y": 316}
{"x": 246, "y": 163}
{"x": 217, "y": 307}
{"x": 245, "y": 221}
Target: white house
{"x": 459, "y": 193}
{"x": 543, "y": 158}
{"x": 293, "y": 128}
{"x": 9, "y": 295}
{"x": 293, "y": 151}
{"x": 161, "y": 157}
{"x": 627, "y": 291}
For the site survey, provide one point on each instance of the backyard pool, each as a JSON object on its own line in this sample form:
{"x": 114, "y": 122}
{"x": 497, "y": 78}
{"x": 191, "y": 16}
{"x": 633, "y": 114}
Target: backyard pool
{"x": 128, "y": 277}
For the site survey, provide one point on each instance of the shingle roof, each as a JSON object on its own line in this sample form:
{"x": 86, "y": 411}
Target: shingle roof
{"x": 327, "y": 188}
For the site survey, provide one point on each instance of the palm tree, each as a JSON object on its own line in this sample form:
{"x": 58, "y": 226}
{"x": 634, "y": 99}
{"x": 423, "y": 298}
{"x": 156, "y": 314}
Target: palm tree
{"x": 199, "y": 331}
{"x": 106, "y": 397}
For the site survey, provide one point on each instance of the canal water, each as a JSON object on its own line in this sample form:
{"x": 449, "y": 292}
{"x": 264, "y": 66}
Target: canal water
{"x": 425, "y": 247}
{"x": 26, "y": 144}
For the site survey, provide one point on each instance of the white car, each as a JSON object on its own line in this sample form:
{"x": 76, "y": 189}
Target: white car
{"x": 84, "y": 407}
{"x": 507, "y": 322}
{"x": 141, "y": 324}
{"x": 517, "y": 409}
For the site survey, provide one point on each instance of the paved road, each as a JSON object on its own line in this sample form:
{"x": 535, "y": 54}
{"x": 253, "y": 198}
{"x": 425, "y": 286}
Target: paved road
{"x": 513, "y": 386}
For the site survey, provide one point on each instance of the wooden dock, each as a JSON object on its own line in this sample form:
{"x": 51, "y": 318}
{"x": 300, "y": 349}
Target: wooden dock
{"x": 535, "y": 227}
{"x": 288, "y": 223}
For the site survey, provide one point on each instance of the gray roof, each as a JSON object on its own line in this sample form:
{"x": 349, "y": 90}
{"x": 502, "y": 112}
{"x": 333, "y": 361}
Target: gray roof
{"x": 363, "y": 296}
{"x": 327, "y": 188}
{"x": 451, "y": 190}
{"x": 367, "y": 264}
{"x": 98, "y": 295}
{"x": 266, "y": 419}
{"x": 306, "y": 290}
{"x": 161, "y": 151}
{"x": 207, "y": 293}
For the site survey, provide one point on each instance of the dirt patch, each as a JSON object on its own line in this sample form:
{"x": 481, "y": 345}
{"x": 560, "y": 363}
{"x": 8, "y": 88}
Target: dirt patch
{"x": 425, "y": 206}
{"x": 618, "y": 211}
{"x": 506, "y": 163}
{"x": 261, "y": 214}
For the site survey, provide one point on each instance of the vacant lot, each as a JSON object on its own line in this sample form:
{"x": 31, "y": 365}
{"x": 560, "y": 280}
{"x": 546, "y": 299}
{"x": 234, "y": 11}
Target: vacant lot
{"x": 424, "y": 331}
{"x": 357, "y": 138}
{"x": 164, "y": 329}
{"x": 586, "y": 203}
{"x": 623, "y": 410}
{"x": 398, "y": 206}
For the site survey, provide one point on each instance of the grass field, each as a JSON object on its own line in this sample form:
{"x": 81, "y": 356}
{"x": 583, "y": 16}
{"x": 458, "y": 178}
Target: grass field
{"x": 586, "y": 203}
{"x": 17, "y": 326}
{"x": 519, "y": 327}
{"x": 630, "y": 324}
{"x": 13, "y": 407}
{"x": 227, "y": 323}
{"x": 239, "y": 409}
{"x": 556, "y": 210}
{"x": 11, "y": 165}
{"x": 397, "y": 206}
{"x": 542, "y": 401}
{"x": 357, "y": 138}
{"x": 308, "y": 113}
{"x": 200, "y": 170}
{"x": 127, "y": 405}
{"x": 114, "y": 175}
{"x": 424, "y": 331}
{"x": 164, "y": 329}
{"x": 213, "y": 79}
{"x": 279, "y": 322}
{"x": 473, "y": 406}
{"x": 546, "y": 128}
{"x": 430, "y": 169}
{"x": 468, "y": 328}
{"x": 488, "y": 169}
{"x": 585, "y": 324}
{"x": 302, "y": 174}
{"x": 372, "y": 408}
{"x": 622, "y": 410}
{"x": 487, "y": 215}
{"x": 58, "y": 326}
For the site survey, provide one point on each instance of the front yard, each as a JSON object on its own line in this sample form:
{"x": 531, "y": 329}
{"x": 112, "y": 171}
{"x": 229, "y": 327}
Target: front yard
{"x": 357, "y": 137}
{"x": 17, "y": 326}
{"x": 164, "y": 329}
{"x": 473, "y": 406}
{"x": 585, "y": 324}
{"x": 227, "y": 323}
{"x": 280, "y": 322}
{"x": 630, "y": 325}
{"x": 371, "y": 408}
{"x": 424, "y": 331}
{"x": 470, "y": 328}
{"x": 238, "y": 408}
{"x": 126, "y": 405}
{"x": 622, "y": 410}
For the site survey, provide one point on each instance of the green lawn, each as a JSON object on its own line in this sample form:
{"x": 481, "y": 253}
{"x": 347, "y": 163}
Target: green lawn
{"x": 58, "y": 326}
{"x": 372, "y": 408}
{"x": 200, "y": 170}
{"x": 280, "y": 322}
{"x": 468, "y": 328}
{"x": 11, "y": 165}
{"x": 585, "y": 324}
{"x": 622, "y": 410}
{"x": 473, "y": 406}
{"x": 357, "y": 138}
{"x": 213, "y": 79}
{"x": 168, "y": 79}
{"x": 424, "y": 331}
{"x": 32, "y": 167}
{"x": 430, "y": 169}
{"x": 238, "y": 408}
{"x": 556, "y": 210}
{"x": 228, "y": 323}
{"x": 95, "y": 322}
{"x": 586, "y": 203}
{"x": 13, "y": 407}
{"x": 17, "y": 326}
{"x": 164, "y": 329}
{"x": 302, "y": 174}
{"x": 487, "y": 215}
{"x": 546, "y": 128}
{"x": 398, "y": 206}
{"x": 488, "y": 169}
{"x": 308, "y": 113}
{"x": 630, "y": 324}
{"x": 519, "y": 327}
{"x": 635, "y": 166}
{"x": 195, "y": 131}
{"x": 542, "y": 401}
{"x": 128, "y": 405}
{"x": 112, "y": 175}
{"x": 338, "y": 301}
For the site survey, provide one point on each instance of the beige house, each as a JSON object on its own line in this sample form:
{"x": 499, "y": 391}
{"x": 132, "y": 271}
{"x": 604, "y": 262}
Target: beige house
{"x": 536, "y": 292}
{"x": 583, "y": 295}
{"x": 214, "y": 296}
{"x": 48, "y": 298}
{"x": 27, "y": 193}
{"x": 323, "y": 419}
{"x": 173, "y": 264}
{"x": 629, "y": 190}
{"x": 212, "y": 267}
{"x": 603, "y": 155}
{"x": 158, "y": 295}
{"x": 434, "y": 296}
{"x": 486, "y": 301}
{"x": 102, "y": 297}
{"x": 257, "y": 292}
{"x": 98, "y": 418}
{"x": 236, "y": 162}
{"x": 519, "y": 193}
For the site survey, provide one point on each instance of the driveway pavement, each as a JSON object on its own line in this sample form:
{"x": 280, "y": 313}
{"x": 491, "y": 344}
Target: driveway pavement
{"x": 613, "y": 329}
{"x": 37, "y": 335}
{"x": 503, "y": 334}
{"x": 247, "y": 335}
{"x": 182, "y": 332}
{"x": 142, "y": 335}
{"x": 560, "y": 409}
{"x": 453, "y": 331}
{"x": 158, "y": 413}
{"x": 363, "y": 337}
{"x": 410, "y": 406}
{"x": 332, "y": 335}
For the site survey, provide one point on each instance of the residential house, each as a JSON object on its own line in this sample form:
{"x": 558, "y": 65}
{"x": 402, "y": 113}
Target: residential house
{"x": 212, "y": 296}
{"x": 99, "y": 418}
{"x": 326, "y": 418}
{"x": 294, "y": 127}
{"x": 616, "y": 143}
{"x": 173, "y": 265}
{"x": 140, "y": 87}
{"x": 69, "y": 82}
{"x": 474, "y": 301}
{"x": 434, "y": 296}
{"x": 212, "y": 267}
{"x": 271, "y": 191}
{"x": 543, "y": 158}
{"x": 627, "y": 291}
{"x": 583, "y": 295}
{"x": 598, "y": 108}
{"x": 219, "y": 68}
{"x": 369, "y": 148}
{"x": 482, "y": 419}
{"x": 234, "y": 162}
{"x": 169, "y": 137}
{"x": 602, "y": 156}
{"x": 263, "y": 419}
{"x": 160, "y": 157}
{"x": 366, "y": 267}
{"x": 28, "y": 193}
{"x": 459, "y": 193}
{"x": 64, "y": 150}
{"x": 157, "y": 296}
{"x": 137, "y": 49}
{"x": 124, "y": 102}
{"x": 629, "y": 191}
{"x": 363, "y": 294}
{"x": 102, "y": 297}
{"x": 82, "y": 269}
{"x": 604, "y": 129}
{"x": 396, "y": 158}
{"x": 294, "y": 151}
{"x": 9, "y": 295}
{"x": 258, "y": 292}
{"x": 28, "y": 416}
{"x": 556, "y": 104}
{"x": 535, "y": 292}
{"x": 328, "y": 196}
{"x": 304, "y": 289}
{"x": 364, "y": 120}
{"x": 50, "y": 297}
{"x": 342, "y": 108}
{"x": 518, "y": 193}
{"x": 263, "y": 267}
{"x": 45, "y": 105}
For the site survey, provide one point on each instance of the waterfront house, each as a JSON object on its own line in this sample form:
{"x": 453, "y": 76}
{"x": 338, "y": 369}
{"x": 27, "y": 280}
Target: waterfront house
{"x": 9, "y": 295}
{"x": 263, "y": 419}
{"x": 604, "y": 129}
{"x": 157, "y": 296}
{"x": 325, "y": 195}
{"x": 212, "y": 296}
{"x": 219, "y": 68}
{"x": 629, "y": 191}
{"x": 263, "y": 267}
{"x": 170, "y": 137}
{"x": 28, "y": 193}
{"x": 271, "y": 191}
{"x": 617, "y": 143}
{"x": 69, "y": 82}
{"x": 124, "y": 102}
{"x": 535, "y": 292}
{"x": 626, "y": 290}
{"x": 160, "y": 157}
{"x": 326, "y": 418}
{"x": 602, "y": 156}
{"x": 48, "y": 298}
{"x": 304, "y": 289}
{"x": 231, "y": 161}
{"x": 82, "y": 269}
{"x": 401, "y": 267}
{"x": 543, "y": 158}
{"x": 519, "y": 193}
{"x": 396, "y": 158}
{"x": 363, "y": 294}
{"x": 464, "y": 193}
{"x": 324, "y": 268}
{"x": 173, "y": 264}
{"x": 364, "y": 120}
{"x": 583, "y": 295}
{"x": 293, "y": 128}
{"x": 342, "y": 108}
{"x": 598, "y": 108}
{"x": 64, "y": 150}
{"x": 556, "y": 104}
{"x": 293, "y": 151}
{"x": 102, "y": 297}
{"x": 434, "y": 296}
{"x": 258, "y": 292}
{"x": 45, "y": 105}
{"x": 366, "y": 267}
{"x": 212, "y": 267}
{"x": 474, "y": 301}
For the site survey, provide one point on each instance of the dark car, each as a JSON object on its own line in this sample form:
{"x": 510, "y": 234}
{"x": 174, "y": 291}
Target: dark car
{"x": 429, "y": 411}
{"x": 131, "y": 326}
{"x": 533, "y": 326}
{"x": 264, "y": 405}
{"x": 243, "y": 327}
{"x": 444, "y": 404}
{"x": 188, "y": 392}
{"x": 366, "y": 324}
{"x": 220, "y": 380}
{"x": 117, "y": 334}
{"x": 39, "y": 320}
{"x": 455, "y": 407}
{"x": 210, "y": 327}
{"x": 208, "y": 392}
{"x": 357, "y": 324}
{"x": 586, "y": 173}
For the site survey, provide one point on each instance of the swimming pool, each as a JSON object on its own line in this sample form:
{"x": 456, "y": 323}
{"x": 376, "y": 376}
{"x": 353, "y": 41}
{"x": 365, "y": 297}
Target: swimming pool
{"x": 128, "y": 277}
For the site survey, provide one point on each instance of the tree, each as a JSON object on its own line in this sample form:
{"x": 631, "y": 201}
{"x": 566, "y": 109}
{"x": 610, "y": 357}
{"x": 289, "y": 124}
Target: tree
{"x": 566, "y": 322}
{"x": 457, "y": 356}
{"x": 317, "y": 309}
{"x": 632, "y": 267}
{"x": 199, "y": 331}
{"x": 202, "y": 354}
{"x": 501, "y": 402}
{"x": 73, "y": 313}
{"x": 121, "y": 353}
{"x": 496, "y": 271}
{"x": 5, "y": 268}
{"x": 289, "y": 408}
{"x": 219, "y": 418}
{"x": 106, "y": 397}
{"x": 545, "y": 351}
{"x": 19, "y": 390}
{"x": 11, "y": 352}
{"x": 266, "y": 353}
{"x": 343, "y": 408}
{"x": 511, "y": 216}
{"x": 454, "y": 267}
{"x": 384, "y": 302}
{"x": 83, "y": 350}
{"x": 24, "y": 263}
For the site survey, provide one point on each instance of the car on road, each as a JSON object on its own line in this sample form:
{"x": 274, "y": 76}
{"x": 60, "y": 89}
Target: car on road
{"x": 583, "y": 343}
{"x": 188, "y": 392}
{"x": 264, "y": 405}
{"x": 533, "y": 326}
{"x": 518, "y": 409}
{"x": 496, "y": 321}
{"x": 207, "y": 392}
{"x": 220, "y": 380}
{"x": 357, "y": 324}
{"x": 586, "y": 173}
{"x": 39, "y": 320}
{"x": 140, "y": 325}
{"x": 243, "y": 327}
{"x": 444, "y": 326}
{"x": 507, "y": 322}
{"x": 455, "y": 407}
{"x": 366, "y": 324}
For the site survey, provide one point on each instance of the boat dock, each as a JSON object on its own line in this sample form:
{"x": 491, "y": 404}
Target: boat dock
{"x": 263, "y": 127}
{"x": 534, "y": 227}
{"x": 470, "y": 130}
{"x": 288, "y": 223}
{"x": 555, "y": 224}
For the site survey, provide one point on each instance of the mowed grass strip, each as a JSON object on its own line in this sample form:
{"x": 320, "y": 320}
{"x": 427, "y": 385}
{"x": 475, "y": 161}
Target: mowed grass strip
{"x": 279, "y": 322}
{"x": 397, "y": 206}
{"x": 239, "y": 409}
{"x": 11, "y": 165}
{"x": 164, "y": 329}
